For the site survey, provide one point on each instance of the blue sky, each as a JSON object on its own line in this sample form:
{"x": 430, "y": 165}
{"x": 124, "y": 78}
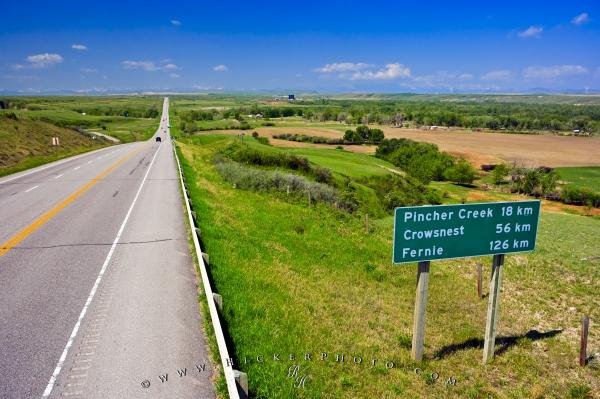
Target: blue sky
{"x": 328, "y": 46}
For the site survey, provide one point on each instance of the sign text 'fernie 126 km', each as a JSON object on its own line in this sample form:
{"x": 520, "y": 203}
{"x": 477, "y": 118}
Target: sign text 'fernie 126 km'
{"x": 424, "y": 233}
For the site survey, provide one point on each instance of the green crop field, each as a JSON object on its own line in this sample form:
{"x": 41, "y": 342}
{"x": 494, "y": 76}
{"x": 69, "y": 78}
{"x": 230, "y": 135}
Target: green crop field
{"x": 588, "y": 177}
{"x": 302, "y": 285}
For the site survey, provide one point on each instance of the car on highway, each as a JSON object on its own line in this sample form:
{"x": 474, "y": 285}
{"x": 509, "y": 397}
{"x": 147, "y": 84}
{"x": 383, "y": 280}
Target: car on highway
{"x": 158, "y": 139}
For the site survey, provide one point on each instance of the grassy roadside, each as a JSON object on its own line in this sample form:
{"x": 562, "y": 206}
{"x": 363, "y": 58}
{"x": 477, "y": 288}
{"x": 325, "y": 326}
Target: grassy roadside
{"x": 299, "y": 280}
{"x": 207, "y": 327}
{"x": 27, "y": 144}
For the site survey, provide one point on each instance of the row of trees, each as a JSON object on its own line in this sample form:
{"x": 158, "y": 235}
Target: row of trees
{"x": 364, "y": 135}
{"x": 495, "y": 116}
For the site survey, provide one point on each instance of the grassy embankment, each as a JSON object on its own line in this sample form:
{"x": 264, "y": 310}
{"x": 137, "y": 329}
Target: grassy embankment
{"x": 298, "y": 279}
{"x": 27, "y": 143}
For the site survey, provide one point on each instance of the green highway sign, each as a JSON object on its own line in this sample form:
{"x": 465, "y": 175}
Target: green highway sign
{"x": 424, "y": 233}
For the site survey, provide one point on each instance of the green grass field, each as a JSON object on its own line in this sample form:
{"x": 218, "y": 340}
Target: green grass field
{"x": 588, "y": 177}
{"x": 345, "y": 162}
{"x": 298, "y": 279}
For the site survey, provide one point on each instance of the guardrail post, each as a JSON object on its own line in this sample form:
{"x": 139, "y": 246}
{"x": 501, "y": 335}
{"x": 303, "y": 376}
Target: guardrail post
{"x": 218, "y": 301}
{"x": 241, "y": 380}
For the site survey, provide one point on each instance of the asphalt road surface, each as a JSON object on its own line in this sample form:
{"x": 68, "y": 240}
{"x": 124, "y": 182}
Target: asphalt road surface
{"x": 97, "y": 287}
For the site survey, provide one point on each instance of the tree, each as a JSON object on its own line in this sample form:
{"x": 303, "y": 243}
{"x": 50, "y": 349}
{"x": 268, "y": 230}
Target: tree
{"x": 548, "y": 182}
{"x": 499, "y": 173}
{"x": 376, "y": 136}
{"x": 462, "y": 172}
{"x": 363, "y": 132}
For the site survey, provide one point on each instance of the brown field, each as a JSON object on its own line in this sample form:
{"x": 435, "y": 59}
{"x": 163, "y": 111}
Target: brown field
{"x": 477, "y": 147}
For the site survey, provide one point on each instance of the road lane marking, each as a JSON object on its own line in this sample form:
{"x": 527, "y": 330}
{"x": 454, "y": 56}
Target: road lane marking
{"x": 59, "y": 176}
{"x": 77, "y": 167}
{"x": 89, "y": 162}
{"x": 32, "y": 188}
{"x": 39, "y": 169}
{"x": 48, "y": 215}
{"x": 71, "y": 339}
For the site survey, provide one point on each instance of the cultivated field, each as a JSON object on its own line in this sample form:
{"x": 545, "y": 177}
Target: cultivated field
{"x": 478, "y": 147}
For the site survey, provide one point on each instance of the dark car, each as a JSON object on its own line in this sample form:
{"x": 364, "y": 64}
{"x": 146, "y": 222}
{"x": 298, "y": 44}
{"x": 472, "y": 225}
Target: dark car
{"x": 158, "y": 138}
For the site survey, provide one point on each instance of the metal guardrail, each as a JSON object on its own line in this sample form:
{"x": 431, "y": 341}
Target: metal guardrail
{"x": 226, "y": 360}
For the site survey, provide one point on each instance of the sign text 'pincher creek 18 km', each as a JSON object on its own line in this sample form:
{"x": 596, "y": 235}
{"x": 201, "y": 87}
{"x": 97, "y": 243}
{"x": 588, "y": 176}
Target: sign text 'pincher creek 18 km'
{"x": 424, "y": 233}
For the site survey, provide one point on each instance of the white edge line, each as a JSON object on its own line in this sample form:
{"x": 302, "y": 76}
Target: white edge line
{"x": 51, "y": 164}
{"x": 32, "y": 188}
{"x": 214, "y": 315}
{"x": 56, "y": 177}
{"x": 61, "y": 361}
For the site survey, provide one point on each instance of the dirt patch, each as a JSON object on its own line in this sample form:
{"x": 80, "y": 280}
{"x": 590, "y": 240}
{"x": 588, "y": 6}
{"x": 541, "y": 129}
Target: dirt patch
{"x": 477, "y": 147}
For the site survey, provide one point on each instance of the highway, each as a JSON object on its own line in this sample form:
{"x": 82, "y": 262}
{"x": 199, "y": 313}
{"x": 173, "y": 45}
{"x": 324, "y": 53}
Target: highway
{"x": 98, "y": 294}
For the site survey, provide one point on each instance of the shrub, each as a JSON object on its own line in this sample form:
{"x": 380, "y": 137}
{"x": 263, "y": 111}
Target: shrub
{"x": 395, "y": 190}
{"x": 255, "y": 134}
{"x": 461, "y": 172}
{"x": 500, "y": 172}
{"x": 580, "y": 196}
{"x": 266, "y": 180}
{"x": 421, "y": 160}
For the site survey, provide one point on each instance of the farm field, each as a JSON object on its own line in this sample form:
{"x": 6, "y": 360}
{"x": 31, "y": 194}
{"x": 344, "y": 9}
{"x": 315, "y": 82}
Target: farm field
{"x": 300, "y": 279}
{"x": 478, "y": 147}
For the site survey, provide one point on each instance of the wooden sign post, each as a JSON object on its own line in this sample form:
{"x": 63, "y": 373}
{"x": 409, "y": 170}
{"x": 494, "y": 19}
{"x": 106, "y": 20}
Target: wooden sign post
{"x": 493, "y": 304}
{"x": 418, "y": 339}
{"x": 426, "y": 233}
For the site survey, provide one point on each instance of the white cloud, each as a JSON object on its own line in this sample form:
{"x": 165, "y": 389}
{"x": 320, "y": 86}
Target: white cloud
{"x": 581, "y": 19}
{"x": 363, "y": 71}
{"x": 79, "y": 47}
{"x": 500, "y": 74}
{"x": 175, "y": 22}
{"x": 391, "y": 71}
{"x": 337, "y": 67}
{"x": 554, "y": 71}
{"x": 145, "y": 65}
{"x": 173, "y": 75}
{"x": 220, "y": 68}
{"x": 149, "y": 66}
{"x": 40, "y": 61}
{"x": 532, "y": 31}
{"x": 466, "y": 76}
{"x": 88, "y": 70}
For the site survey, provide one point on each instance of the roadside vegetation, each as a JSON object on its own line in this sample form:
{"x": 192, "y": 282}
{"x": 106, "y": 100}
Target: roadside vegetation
{"x": 124, "y": 118}
{"x": 301, "y": 278}
{"x": 27, "y": 143}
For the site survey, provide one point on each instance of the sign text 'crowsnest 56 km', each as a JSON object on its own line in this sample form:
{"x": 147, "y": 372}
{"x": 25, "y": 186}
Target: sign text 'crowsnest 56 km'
{"x": 423, "y": 233}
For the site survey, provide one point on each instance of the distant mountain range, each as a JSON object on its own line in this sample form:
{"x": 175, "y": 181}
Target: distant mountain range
{"x": 284, "y": 92}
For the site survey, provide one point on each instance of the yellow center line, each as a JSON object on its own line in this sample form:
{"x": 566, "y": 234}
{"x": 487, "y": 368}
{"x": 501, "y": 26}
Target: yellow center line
{"x": 48, "y": 215}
